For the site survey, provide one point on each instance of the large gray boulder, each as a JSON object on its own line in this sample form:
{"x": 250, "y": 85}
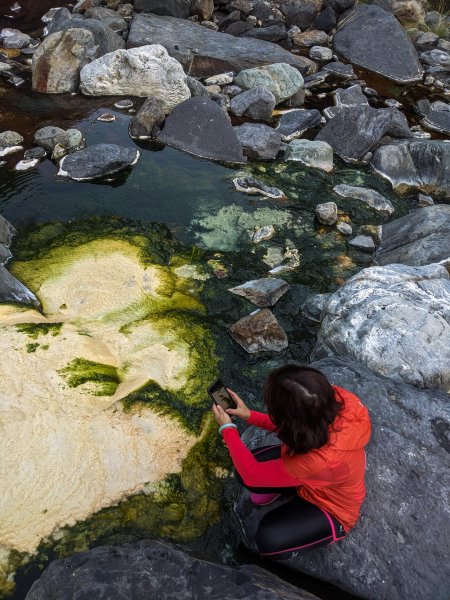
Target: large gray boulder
{"x": 199, "y": 126}
{"x": 373, "y": 39}
{"x": 58, "y": 60}
{"x": 420, "y": 238}
{"x": 396, "y": 320}
{"x": 156, "y": 569}
{"x": 399, "y": 547}
{"x": 356, "y": 130}
{"x": 97, "y": 162}
{"x": 205, "y": 52}
{"x": 415, "y": 165}
{"x": 146, "y": 71}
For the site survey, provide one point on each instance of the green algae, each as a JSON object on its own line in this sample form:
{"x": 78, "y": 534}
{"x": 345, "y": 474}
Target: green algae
{"x": 32, "y": 347}
{"x": 34, "y": 330}
{"x": 80, "y": 371}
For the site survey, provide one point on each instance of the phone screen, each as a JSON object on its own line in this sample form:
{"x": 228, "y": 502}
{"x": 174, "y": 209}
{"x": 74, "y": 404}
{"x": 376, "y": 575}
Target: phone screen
{"x": 220, "y": 396}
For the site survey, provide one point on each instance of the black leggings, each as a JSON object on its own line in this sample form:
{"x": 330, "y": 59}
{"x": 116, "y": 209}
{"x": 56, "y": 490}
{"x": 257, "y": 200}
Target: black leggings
{"x": 295, "y": 527}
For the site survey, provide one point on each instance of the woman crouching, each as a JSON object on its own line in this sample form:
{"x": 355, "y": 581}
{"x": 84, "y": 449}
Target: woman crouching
{"x": 323, "y": 430}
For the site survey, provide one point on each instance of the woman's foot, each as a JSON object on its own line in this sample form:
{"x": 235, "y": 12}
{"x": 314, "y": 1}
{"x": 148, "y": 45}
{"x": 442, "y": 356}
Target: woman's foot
{"x": 263, "y": 499}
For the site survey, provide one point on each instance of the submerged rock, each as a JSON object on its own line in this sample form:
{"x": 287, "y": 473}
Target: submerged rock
{"x": 259, "y": 332}
{"x": 97, "y": 161}
{"x": 258, "y": 141}
{"x": 205, "y": 52}
{"x": 250, "y": 185}
{"x": 420, "y": 238}
{"x": 199, "y": 126}
{"x": 156, "y": 569}
{"x": 388, "y": 318}
{"x": 147, "y": 122}
{"x": 406, "y": 481}
{"x": 146, "y": 71}
{"x": 416, "y": 165}
{"x": 366, "y": 195}
{"x": 356, "y": 130}
{"x": 281, "y": 79}
{"x": 373, "y": 39}
{"x": 262, "y": 292}
{"x": 315, "y": 154}
{"x": 295, "y": 122}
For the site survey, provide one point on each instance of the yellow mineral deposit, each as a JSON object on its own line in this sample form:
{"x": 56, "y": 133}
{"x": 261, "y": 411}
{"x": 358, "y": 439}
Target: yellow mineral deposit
{"x": 66, "y": 450}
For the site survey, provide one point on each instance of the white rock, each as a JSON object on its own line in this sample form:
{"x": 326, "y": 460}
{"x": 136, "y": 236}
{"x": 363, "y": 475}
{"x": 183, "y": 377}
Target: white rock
{"x": 144, "y": 71}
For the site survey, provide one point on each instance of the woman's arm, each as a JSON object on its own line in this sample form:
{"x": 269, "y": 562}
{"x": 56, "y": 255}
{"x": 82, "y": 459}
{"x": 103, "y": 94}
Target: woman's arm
{"x": 262, "y": 420}
{"x": 256, "y": 474}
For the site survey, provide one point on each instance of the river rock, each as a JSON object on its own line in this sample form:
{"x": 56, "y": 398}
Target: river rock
{"x": 308, "y": 39}
{"x": 107, "y": 16}
{"x": 313, "y": 308}
{"x": 298, "y": 13}
{"x": 406, "y": 482}
{"x": 59, "y": 58}
{"x": 321, "y": 53}
{"x": 156, "y": 569}
{"x": 7, "y": 232}
{"x": 373, "y": 39}
{"x": 315, "y": 154}
{"x": 366, "y": 195}
{"x": 205, "y": 52}
{"x": 10, "y": 141}
{"x": 363, "y": 243}
{"x": 12, "y": 290}
{"x": 48, "y": 137}
{"x": 274, "y": 33}
{"x": 416, "y": 165}
{"x": 13, "y": 38}
{"x": 294, "y": 123}
{"x": 437, "y": 117}
{"x": 436, "y": 58}
{"x": 147, "y": 122}
{"x": 146, "y": 71}
{"x": 97, "y": 161}
{"x": 420, "y": 238}
{"x": 344, "y": 228}
{"x": 258, "y": 141}
{"x": 326, "y": 213}
{"x": 388, "y": 318}
{"x": 196, "y": 87}
{"x": 340, "y": 70}
{"x": 250, "y": 185}
{"x": 262, "y": 292}
{"x": 171, "y": 8}
{"x": 281, "y": 79}
{"x": 106, "y": 39}
{"x": 199, "y": 126}
{"x": 259, "y": 332}
{"x": 356, "y": 130}
{"x": 257, "y": 103}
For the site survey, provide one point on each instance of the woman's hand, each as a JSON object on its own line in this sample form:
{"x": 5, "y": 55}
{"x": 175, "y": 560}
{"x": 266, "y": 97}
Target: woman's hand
{"x": 241, "y": 411}
{"x": 220, "y": 415}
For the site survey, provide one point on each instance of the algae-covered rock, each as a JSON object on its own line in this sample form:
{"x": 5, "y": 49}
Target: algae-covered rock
{"x": 103, "y": 393}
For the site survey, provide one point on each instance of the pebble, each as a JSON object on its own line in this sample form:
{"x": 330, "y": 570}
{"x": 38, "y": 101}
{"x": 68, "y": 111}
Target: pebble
{"x": 326, "y": 213}
{"x": 124, "y": 104}
{"x": 344, "y": 228}
{"x": 364, "y": 243}
{"x": 106, "y": 117}
{"x": 393, "y": 103}
{"x": 221, "y": 79}
{"x": 321, "y": 53}
{"x": 263, "y": 233}
{"x": 210, "y": 25}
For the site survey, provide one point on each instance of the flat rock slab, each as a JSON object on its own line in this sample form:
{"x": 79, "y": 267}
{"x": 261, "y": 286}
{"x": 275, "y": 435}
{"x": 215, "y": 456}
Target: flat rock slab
{"x": 295, "y": 122}
{"x": 155, "y": 569}
{"x": 199, "y": 126}
{"x": 366, "y": 195}
{"x": 420, "y": 238}
{"x": 259, "y": 332}
{"x": 416, "y": 165}
{"x": 98, "y": 161}
{"x": 12, "y": 290}
{"x": 396, "y": 320}
{"x": 356, "y": 130}
{"x": 407, "y": 481}
{"x": 204, "y": 52}
{"x": 262, "y": 292}
{"x": 373, "y": 39}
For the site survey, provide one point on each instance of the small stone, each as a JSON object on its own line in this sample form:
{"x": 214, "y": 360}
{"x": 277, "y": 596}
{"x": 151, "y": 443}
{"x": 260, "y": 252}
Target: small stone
{"x": 426, "y": 40}
{"x": 294, "y": 123}
{"x": 210, "y": 25}
{"x": 59, "y": 151}
{"x": 326, "y": 213}
{"x": 258, "y": 141}
{"x": 366, "y": 195}
{"x": 9, "y": 139}
{"x": 196, "y": 88}
{"x": 26, "y": 164}
{"x": 314, "y": 307}
{"x": 344, "y": 228}
{"x": 259, "y": 332}
{"x": 340, "y": 70}
{"x": 424, "y": 200}
{"x": 250, "y": 185}
{"x": 221, "y": 79}
{"x": 37, "y": 152}
{"x": 13, "y": 38}
{"x": 281, "y": 79}
{"x": 393, "y": 103}
{"x": 147, "y": 123}
{"x": 315, "y": 154}
{"x": 262, "y": 292}
{"x": 311, "y": 38}
{"x": 106, "y": 117}
{"x": 75, "y": 139}
{"x": 124, "y": 104}
{"x": 49, "y": 136}
{"x": 213, "y": 89}
{"x": 263, "y": 234}
{"x": 438, "y": 58}
{"x": 321, "y": 53}
{"x": 257, "y": 103}
{"x": 364, "y": 243}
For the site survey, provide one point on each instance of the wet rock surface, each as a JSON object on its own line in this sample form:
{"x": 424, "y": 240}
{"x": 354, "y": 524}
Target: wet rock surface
{"x": 259, "y": 332}
{"x": 387, "y": 317}
{"x": 209, "y": 133}
{"x": 97, "y": 161}
{"x": 420, "y": 238}
{"x": 406, "y": 482}
{"x": 317, "y": 154}
{"x": 152, "y": 567}
{"x": 370, "y": 197}
{"x": 148, "y": 121}
{"x": 373, "y": 39}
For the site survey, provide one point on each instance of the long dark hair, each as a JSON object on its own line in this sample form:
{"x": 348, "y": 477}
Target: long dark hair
{"x": 302, "y": 404}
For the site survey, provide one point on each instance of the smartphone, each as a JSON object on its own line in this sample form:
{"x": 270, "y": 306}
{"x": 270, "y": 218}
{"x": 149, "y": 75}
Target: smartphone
{"x": 220, "y": 396}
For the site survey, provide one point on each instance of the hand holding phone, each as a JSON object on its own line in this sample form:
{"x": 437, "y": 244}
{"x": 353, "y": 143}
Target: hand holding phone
{"x": 220, "y": 396}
